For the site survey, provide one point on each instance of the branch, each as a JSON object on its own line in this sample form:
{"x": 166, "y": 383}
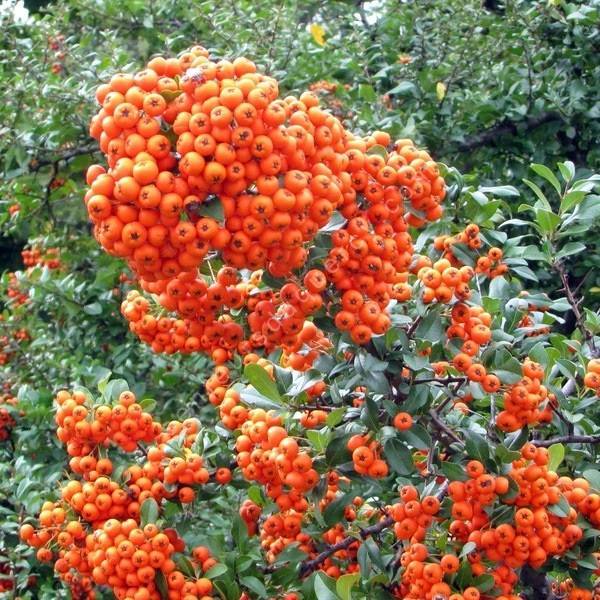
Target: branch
{"x": 47, "y": 202}
{"x": 36, "y": 164}
{"x": 568, "y": 439}
{"x": 413, "y": 326}
{"x": 444, "y": 428}
{"x": 564, "y": 419}
{"x": 442, "y": 380}
{"x": 308, "y": 566}
{"x": 574, "y": 302}
{"x": 506, "y": 127}
{"x": 363, "y": 17}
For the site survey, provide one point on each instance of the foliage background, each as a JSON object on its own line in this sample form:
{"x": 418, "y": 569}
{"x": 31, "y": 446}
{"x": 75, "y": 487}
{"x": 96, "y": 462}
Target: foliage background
{"x": 487, "y": 86}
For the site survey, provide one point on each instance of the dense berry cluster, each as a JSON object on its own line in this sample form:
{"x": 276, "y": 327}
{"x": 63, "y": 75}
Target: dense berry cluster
{"x": 524, "y": 401}
{"x": 14, "y": 291}
{"x": 207, "y": 163}
{"x": 538, "y": 527}
{"x": 8, "y": 411}
{"x": 48, "y": 257}
{"x": 489, "y": 264}
{"x": 96, "y": 534}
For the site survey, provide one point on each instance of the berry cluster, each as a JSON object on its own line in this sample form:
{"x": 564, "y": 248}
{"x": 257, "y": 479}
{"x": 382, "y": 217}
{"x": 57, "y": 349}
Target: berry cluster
{"x": 14, "y": 291}
{"x": 442, "y": 282}
{"x": 49, "y": 257}
{"x": 523, "y": 400}
{"x": 95, "y": 533}
{"x": 591, "y": 379}
{"x": 489, "y": 264}
{"x": 366, "y": 456}
{"x": 7, "y": 415}
{"x": 188, "y": 138}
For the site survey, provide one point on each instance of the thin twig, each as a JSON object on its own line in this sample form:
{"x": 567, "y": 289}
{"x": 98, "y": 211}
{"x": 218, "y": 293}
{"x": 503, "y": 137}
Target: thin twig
{"x": 559, "y": 414}
{"x": 443, "y": 381}
{"x": 443, "y": 427}
{"x": 574, "y": 302}
{"x": 308, "y": 566}
{"x": 37, "y": 163}
{"x": 568, "y": 439}
{"x": 413, "y": 326}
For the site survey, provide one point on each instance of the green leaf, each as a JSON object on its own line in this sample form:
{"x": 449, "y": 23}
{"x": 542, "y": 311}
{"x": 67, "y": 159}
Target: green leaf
{"x": 170, "y": 95}
{"x": 239, "y": 532}
{"x": 561, "y": 508}
{"x": 212, "y": 207}
{"x": 453, "y": 471}
{"x": 484, "y": 583}
{"x": 485, "y": 212}
{"x": 335, "y": 416}
{"x": 588, "y": 562}
{"x": 344, "y": 585}
{"x": 148, "y": 404}
{"x": 149, "y": 512}
{"x": 255, "y": 494}
{"x": 290, "y": 553}
{"x": 538, "y": 192}
{"x": 404, "y": 88}
{"x": 571, "y": 199}
{"x": 417, "y": 436}
{"x": 185, "y": 566}
{"x": 547, "y": 220}
{"x": 337, "y": 221}
{"x": 337, "y": 451}
{"x": 366, "y": 92}
{"x": 161, "y": 585}
{"x": 476, "y": 446}
{"x": 324, "y": 586}
{"x": 379, "y": 150}
{"x": 569, "y": 249}
{"x": 95, "y": 308}
{"x": 505, "y": 455}
{"x": 318, "y": 439}
{"x": 374, "y": 552}
{"x": 114, "y": 388}
{"x": 548, "y": 175}
{"x": 502, "y": 191}
{"x": 431, "y": 328}
{"x": 467, "y": 549}
{"x": 557, "y": 454}
{"x": 532, "y": 252}
{"x": 593, "y": 477}
{"x": 257, "y": 400}
{"x": 334, "y": 511}
{"x": 524, "y": 272}
{"x": 216, "y": 571}
{"x": 567, "y": 170}
{"x": 254, "y": 585}
{"x": 261, "y": 381}
{"x": 398, "y": 456}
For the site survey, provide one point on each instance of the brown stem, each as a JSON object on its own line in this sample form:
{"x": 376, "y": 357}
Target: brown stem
{"x": 444, "y": 428}
{"x": 568, "y": 439}
{"x": 574, "y": 303}
{"x": 36, "y": 164}
{"x": 564, "y": 419}
{"x": 414, "y": 325}
{"x": 308, "y": 566}
{"x": 443, "y": 381}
